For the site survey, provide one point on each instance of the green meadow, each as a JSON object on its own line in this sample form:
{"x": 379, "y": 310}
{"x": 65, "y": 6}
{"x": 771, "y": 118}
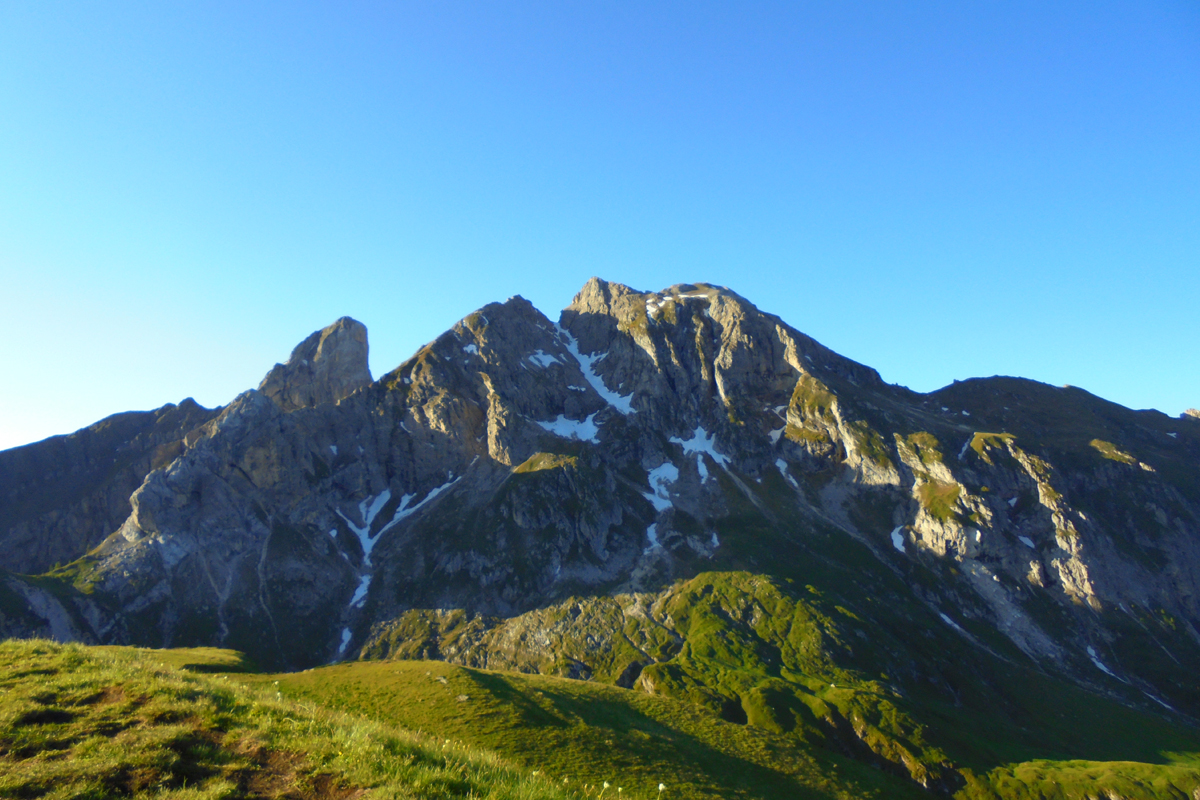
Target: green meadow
{"x": 96, "y": 723}
{"x": 110, "y": 722}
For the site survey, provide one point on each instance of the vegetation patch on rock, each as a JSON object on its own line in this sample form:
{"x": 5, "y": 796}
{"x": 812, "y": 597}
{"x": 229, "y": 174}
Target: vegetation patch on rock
{"x": 1111, "y": 451}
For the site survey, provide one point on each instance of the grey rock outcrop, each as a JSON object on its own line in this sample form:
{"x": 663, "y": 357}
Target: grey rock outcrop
{"x": 60, "y": 497}
{"x": 326, "y": 367}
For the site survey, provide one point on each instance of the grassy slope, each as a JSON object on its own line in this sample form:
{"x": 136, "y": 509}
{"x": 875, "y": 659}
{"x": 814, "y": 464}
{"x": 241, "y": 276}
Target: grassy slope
{"x": 591, "y": 733}
{"x": 1002, "y": 719}
{"x": 80, "y": 722}
{"x": 118, "y": 722}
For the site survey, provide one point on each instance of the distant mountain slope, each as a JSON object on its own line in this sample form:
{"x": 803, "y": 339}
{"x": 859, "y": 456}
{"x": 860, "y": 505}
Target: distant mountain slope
{"x": 60, "y": 497}
{"x": 676, "y": 492}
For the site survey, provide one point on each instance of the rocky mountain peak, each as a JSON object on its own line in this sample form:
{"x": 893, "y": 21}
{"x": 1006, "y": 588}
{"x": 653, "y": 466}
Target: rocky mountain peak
{"x": 578, "y": 494}
{"x": 326, "y": 367}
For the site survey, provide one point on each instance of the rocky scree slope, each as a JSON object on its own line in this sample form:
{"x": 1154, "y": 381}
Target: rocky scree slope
{"x": 677, "y": 492}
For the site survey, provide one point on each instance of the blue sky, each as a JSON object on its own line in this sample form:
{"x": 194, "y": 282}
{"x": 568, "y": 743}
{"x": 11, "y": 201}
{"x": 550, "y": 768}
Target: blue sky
{"x": 938, "y": 190}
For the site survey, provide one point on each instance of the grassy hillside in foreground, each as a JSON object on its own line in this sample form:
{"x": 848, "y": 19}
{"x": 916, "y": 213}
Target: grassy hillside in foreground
{"x": 109, "y": 722}
{"x": 592, "y": 733}
{"x": 79, "y": 722}
{"x": 595, "y": 733}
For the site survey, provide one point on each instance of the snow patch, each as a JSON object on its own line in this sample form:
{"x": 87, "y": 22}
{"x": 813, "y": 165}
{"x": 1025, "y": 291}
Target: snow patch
{"x": 966, "y": 413}
{"x": 950, "y": 622}
{"x": 701, "y": 442}
{"x": 775, "y": 435}
{"x": 1092, "y": 655}
{"x": 660, "y": 478}
{"x": 369, "y": 509}
{"x": 404, "y": 511}
{"x": 623, "y": 404}
{"x": 585, "y": 430}
{"x": 333, "y": 449}
{"x": 963, "y": 453}
{"x": 543, "y": 359}
{"x": 1012, "y": 502}
{"x": 898, "y": 538}
{"x": 1160, "y": 702}
{"x": 360, "y": 594}
{"x": 345, "y": 641}
{"x": 715, "y": 541}
{"x": 652, "y": 535}
{"x": 781, "y": 465}
{"x": 1173, "y": 436}
{"x": 333, "y": 533}
{"x": 1025, "y": 540}
{"x": 472, "y": 349}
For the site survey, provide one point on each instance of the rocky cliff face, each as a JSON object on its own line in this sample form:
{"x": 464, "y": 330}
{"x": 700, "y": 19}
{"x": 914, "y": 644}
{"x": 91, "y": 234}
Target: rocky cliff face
{"x": 516, "y": 468}
{"x": 62, "y": 496}
{"x": 327, "y": 366}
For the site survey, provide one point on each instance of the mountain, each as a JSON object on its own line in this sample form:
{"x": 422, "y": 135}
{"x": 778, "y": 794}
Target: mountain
{"x": 60, "y": 497}
{"x": 672, "y": 492}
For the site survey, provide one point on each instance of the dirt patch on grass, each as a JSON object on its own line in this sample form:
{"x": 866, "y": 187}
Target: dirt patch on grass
{"x": 281, "y": 775}
{"x": 111, "y": 695}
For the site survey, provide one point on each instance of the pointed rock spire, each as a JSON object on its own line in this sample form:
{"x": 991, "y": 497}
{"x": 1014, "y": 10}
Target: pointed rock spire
{"x": 327, "y": 366}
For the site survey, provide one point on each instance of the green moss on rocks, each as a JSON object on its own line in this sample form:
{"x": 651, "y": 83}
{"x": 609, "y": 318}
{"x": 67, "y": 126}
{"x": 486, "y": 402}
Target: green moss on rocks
{"x": 541, "y": 461}
{"x": 1112, "y": 452}
{"x": 940, "y": 499}
{"x": 811, "y": 398}
{"x": 926, "y": 446}
{"x": 800, "y": 435}
{"x": 475, "y": 322}
{"x": 983, "y": 442}
{"x": 870, "y": 443}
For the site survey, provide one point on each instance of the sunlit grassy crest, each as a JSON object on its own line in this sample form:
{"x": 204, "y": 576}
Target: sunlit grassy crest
{"x": 80, "y": 722}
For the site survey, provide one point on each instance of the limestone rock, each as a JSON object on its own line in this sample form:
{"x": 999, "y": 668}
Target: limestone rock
{"x": 326, "y": 367}
{"x": 60, "y": 497}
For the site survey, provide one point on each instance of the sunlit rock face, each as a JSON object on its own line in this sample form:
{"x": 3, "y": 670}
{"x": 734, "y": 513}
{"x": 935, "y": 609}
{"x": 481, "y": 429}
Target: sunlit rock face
{"x": 327, "y": 366}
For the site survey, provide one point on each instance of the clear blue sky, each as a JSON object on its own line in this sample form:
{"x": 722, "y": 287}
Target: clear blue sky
{"x": 938, "y": 190}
